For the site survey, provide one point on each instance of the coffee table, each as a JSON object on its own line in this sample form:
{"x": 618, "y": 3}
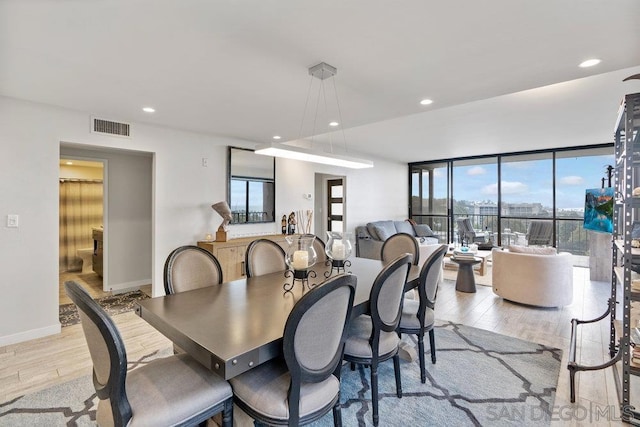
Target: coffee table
{"x": 483, "y": 256}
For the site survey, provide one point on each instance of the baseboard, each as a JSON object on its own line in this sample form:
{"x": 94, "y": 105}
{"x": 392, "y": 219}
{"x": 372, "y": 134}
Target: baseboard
{"x": 120, "y": 288}
{"x": 30, "y": 335}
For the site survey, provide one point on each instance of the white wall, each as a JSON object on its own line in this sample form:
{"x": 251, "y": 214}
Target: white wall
{"x": 183, "y": 190}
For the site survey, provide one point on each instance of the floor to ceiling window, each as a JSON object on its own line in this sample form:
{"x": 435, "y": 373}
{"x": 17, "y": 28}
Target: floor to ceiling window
{"x": 430, "y": 196}
{"x": 475, "y": 194}
{"x": 502, "y": 194}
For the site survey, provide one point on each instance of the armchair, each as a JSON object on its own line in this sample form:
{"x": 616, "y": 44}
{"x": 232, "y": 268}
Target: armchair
{"x": 466, "y": 231}
{"x": 540, "y": 232}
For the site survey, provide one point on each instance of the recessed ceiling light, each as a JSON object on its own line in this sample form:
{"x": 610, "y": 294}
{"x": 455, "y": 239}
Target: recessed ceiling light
{"x": 589, "y": 63}
{"x": 149, "y": 110}
{"x": 69, "y": 163}
{"x": 277, "y": 137}
{"x": 334, "y": 124}
{"x": 426, "y": 102}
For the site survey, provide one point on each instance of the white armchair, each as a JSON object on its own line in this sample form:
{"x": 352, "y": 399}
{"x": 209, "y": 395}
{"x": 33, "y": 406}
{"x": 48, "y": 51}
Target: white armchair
{"x": 543, "y": 280}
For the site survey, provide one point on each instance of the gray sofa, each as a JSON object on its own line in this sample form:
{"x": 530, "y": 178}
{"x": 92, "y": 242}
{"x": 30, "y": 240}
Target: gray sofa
{"x": 370, "y": 237}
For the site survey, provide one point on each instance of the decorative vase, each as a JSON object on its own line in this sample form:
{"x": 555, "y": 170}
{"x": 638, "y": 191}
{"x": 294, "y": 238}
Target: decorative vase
{"x": 300, "y": 257}
{"x": 338, "y": 249}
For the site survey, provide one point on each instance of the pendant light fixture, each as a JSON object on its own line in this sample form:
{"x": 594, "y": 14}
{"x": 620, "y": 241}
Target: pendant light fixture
{"x": 322, "y": 72}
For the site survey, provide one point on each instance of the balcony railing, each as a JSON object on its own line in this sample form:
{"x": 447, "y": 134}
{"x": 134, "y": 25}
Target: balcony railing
{"x": 569, "y": 232}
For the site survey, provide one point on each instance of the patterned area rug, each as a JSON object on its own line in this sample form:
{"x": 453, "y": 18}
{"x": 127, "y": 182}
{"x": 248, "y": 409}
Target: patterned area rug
{"x": 73, "y": 403}
{"x": 113, "y": 304}
{"x": 480, "y": 378}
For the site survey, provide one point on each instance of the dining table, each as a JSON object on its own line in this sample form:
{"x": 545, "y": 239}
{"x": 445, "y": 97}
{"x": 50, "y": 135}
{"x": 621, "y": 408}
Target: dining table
{"x": 237, "y": 325}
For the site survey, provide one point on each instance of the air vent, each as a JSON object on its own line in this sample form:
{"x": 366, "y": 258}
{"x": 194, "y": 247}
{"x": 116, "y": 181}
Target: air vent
{"x": 110, "y": 127}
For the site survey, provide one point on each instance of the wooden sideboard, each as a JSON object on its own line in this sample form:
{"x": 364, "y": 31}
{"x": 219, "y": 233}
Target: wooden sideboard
{"x": 231, "y": 253}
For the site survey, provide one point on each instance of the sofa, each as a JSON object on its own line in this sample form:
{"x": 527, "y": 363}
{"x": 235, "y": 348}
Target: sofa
{"x": 535, "y": 276}
{"x": 370, "y": 237}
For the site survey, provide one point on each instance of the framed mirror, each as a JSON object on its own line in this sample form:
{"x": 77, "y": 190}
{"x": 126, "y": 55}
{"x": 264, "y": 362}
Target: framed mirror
{"x": 252, "y": 186}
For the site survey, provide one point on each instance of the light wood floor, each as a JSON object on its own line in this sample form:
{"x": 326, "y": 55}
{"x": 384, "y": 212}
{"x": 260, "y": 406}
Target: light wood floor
{"x": 37, "y": 364}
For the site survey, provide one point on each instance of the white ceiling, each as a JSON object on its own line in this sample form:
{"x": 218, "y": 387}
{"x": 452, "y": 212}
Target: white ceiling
{"x": 239, "y": 67}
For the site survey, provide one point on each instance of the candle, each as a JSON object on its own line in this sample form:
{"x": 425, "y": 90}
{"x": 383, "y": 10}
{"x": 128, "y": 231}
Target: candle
{"x": 337, "y": 250}
{"x": 300, "y": 260}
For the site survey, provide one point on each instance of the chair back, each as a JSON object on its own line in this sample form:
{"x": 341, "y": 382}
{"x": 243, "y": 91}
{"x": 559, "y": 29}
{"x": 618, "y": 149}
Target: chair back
{"x": 398, "y": 244}
{"x": 190, "y": 267}
{"x": 315, "y": 333}
{"x": 429, "y": 281}
{"x": 107, "y": 353}
{"x": 540, "y": 232}
{"x": 386, "y": 296}
{"x": 319, "y": 247}
{"x": 264, "y": 256}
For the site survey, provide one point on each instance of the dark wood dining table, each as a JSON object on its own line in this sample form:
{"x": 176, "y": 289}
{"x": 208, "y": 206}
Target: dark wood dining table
{"x": 233, "y": 327}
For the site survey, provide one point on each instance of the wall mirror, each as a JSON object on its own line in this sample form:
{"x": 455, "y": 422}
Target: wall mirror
{"x": 252, "y": 185}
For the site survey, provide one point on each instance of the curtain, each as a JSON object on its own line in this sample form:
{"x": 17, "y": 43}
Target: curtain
{"x": 80, "y": 211}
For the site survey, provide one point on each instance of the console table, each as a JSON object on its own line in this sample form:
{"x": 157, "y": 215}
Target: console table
{"x": 231, "y": 253}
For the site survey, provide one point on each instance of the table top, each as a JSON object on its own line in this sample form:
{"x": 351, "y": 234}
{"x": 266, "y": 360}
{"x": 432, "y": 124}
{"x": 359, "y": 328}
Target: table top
{"x": 466, "y": 260}
{"x": 237, "y": 325}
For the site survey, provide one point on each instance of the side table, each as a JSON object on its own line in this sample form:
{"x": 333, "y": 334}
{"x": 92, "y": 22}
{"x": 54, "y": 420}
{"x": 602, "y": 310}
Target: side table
{"x": 465, "y": 281}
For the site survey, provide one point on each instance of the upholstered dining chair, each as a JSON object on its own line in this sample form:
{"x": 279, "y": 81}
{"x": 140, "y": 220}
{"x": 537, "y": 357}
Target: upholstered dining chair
{"x": 264, "y": 256}
{"x": 398, "y": 244}
{"x": 175, "y": 390}
{"x": 190, "y": 267}
{"x": 418, "y": 315}
{"x": 373, "y": 338}
{"x": 304, "y": 385}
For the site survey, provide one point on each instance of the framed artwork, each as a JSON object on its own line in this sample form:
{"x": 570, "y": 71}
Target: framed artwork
{"x": 598, "y": 209}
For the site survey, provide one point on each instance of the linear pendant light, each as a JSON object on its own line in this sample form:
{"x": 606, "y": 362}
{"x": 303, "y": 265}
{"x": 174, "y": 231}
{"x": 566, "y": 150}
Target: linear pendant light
{"x": 321, "y": 71}
{"x": 308, "y": 155}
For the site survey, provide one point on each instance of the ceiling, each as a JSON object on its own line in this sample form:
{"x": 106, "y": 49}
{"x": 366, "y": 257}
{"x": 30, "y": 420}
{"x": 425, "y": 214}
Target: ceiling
{"x": 239, "y": 68}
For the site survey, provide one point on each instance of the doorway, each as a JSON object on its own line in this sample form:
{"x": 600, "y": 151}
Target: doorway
{"x": 330, "y": 204}
{"x": 81, "y": 224}
{"x": 335, "y": 205}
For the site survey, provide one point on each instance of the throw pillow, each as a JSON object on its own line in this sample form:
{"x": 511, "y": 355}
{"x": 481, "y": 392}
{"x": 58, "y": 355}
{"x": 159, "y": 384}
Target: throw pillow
{"x": 533, "y": 250}
{"x": 404, "y": 227}
{"x": 423, "y": 230}
{"x": 384, "y": 230}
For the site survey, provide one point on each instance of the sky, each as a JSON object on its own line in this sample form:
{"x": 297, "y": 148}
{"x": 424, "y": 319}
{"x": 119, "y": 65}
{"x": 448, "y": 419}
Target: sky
{"x": 528, "y": 181}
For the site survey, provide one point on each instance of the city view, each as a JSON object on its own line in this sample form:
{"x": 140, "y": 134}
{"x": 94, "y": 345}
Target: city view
{"x": 532, "y": 187}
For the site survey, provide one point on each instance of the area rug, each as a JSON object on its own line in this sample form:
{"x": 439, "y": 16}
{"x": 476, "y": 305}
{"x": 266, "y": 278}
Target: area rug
{"x": 113, "y": 304}
{"x": 481, "y": 378}
{"x": 73, "y": 403}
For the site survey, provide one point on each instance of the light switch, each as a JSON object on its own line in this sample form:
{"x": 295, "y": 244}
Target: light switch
{"x": 12, "y": 220}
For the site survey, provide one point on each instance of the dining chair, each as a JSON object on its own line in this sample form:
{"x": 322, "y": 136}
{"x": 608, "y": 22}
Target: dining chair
{"x": 263, "y": 257}
{"x": 418, "y": 315}
{"x": 190, "y": 267}
{"x": 398, "y": 244}
{"x": 304, "y": 385}
{"x": 175, "y": 390}
{"x": 373, "y": 338}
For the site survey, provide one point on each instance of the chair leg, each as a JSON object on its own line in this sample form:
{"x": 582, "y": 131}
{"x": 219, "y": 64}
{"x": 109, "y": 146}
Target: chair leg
{"x": 374, "y": 392}
{"x": 396, "y": 368}
{"x": 432, "y": 344}
{"x": 227, "y": 414}
{"x": 423, "y": 374}
{"x": 337, "y": 414}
